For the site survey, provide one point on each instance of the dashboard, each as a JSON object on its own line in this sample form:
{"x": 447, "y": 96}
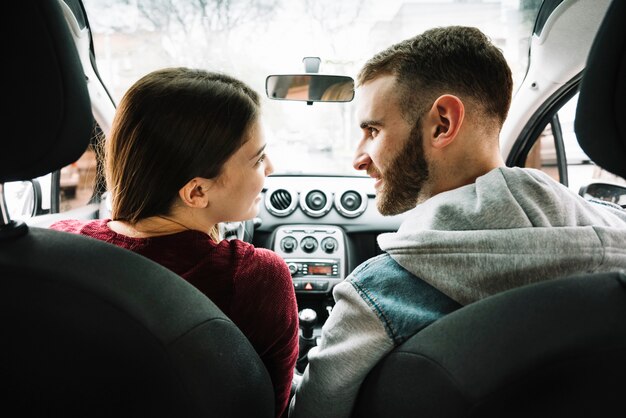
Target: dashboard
{"x": 323, "y": 227}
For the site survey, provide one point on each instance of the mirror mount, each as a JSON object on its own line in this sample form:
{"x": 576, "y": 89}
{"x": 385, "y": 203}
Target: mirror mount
{"x": 311, "y": 65}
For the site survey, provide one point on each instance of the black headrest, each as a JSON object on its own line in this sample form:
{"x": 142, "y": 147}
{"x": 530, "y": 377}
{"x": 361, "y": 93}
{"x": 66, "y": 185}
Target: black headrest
{"x": 49, "y": 114}
{"x": 549, "y": 349}
{"x": 601, "y": 113}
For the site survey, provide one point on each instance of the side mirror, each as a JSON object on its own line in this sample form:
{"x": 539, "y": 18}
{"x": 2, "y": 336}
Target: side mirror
{"x": 23, "y": 199}
{"x": 610, "y": 192}
{"x": 310, "y": 87}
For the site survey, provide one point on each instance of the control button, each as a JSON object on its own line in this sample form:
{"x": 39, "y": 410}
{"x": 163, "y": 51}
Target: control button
{"x": 309, "y": 244}
{"x": 288, "y": 244}
{"x": 308, "y": 286}
{"x": 351, "y": 201}
{"x": 297, "y": 285}
{"x": 316, "y": 200}
{"x": 293, "y": 268}
{"x": 329, "y": 244}
{"x": 320, "y": 285}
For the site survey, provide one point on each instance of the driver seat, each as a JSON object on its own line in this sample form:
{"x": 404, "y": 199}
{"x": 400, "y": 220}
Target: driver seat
{"x": 90, "y": 329}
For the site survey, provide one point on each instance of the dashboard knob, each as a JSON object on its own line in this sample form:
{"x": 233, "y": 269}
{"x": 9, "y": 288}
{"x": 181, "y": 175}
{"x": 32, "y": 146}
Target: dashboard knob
{"x": 309, "y": 244}
{"x": 329, "y": 245}
{"x": 288, "y": 244}
{"x": 293, "y": 268}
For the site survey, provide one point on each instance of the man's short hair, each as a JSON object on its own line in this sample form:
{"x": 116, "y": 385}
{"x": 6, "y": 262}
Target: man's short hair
{"x": 456, "y": 60}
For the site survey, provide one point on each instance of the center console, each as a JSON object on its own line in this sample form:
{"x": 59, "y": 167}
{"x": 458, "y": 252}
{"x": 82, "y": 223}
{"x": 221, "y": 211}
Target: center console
{"x": 316, "y": 256}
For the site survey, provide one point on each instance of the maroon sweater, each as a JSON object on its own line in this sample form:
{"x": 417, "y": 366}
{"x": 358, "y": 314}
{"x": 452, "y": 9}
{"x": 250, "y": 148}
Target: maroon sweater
{"x": 252, "y": 286}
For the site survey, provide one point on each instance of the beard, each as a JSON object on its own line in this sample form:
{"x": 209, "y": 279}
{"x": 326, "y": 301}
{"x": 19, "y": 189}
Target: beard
{"x": 404, "y": 179}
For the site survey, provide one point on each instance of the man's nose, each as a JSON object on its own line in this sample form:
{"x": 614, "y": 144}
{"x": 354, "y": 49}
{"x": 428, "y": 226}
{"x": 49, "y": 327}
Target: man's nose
{"x": 361, "y": 160}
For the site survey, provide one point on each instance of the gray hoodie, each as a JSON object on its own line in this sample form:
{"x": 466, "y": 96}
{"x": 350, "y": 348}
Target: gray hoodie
{"x": 511, "y": 227}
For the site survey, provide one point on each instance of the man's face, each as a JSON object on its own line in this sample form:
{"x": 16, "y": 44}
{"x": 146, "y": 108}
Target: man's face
{"x": 391, "y": 149}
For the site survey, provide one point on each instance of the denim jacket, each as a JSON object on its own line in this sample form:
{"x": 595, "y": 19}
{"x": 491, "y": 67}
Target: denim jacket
{"x": 378, "y": 307}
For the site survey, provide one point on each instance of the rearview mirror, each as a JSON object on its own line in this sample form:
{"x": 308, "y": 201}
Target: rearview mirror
{"x": 310, "y": 87}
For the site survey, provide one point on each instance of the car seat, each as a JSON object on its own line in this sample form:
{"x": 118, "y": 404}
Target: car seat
{"x": 90, "y": 329}
{"x": 550, "y": 349}
{"x": 600, "y": 122}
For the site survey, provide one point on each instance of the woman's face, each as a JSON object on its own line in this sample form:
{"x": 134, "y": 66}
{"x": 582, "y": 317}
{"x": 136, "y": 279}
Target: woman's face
{"x": 236, "y": 194}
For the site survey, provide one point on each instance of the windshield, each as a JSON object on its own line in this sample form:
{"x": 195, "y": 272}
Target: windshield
{"x": 251, "y": 39}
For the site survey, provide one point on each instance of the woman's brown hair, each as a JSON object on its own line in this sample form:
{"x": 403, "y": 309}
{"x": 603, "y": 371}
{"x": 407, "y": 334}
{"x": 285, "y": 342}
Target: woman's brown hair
{"x": 172, "y": 125}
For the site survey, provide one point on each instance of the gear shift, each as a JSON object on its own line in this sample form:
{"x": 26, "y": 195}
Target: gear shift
{"x": 308, "y": 319}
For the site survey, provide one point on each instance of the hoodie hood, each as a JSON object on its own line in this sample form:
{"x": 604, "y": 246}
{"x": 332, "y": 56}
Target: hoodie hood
{"x": 512, "y": 227}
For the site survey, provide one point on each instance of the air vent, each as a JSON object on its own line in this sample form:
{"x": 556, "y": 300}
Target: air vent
{"x": 315, "y": 203}
{"x": 351, "y": 203}
{"x": 280, "y": 202}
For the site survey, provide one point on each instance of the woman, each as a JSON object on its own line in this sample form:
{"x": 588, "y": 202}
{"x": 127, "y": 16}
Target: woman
{"x": 186, "y": 152}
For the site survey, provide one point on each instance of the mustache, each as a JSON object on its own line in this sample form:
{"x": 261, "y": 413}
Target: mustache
{"x": 373, "y": 172}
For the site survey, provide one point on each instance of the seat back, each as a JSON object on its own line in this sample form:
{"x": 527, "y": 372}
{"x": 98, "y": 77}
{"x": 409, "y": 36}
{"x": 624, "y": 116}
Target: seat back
{"x": 551, "y": 349}
{"x": 90, "y": 329}
{"x": 602, "y": 98}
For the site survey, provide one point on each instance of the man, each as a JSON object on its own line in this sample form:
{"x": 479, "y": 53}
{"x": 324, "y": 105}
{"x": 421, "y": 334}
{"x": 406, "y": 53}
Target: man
{"x": 431, "y": 109}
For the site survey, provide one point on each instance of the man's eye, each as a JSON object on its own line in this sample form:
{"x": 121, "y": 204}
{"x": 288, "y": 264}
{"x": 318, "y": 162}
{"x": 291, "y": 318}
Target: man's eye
{"x": 372, "y": 131}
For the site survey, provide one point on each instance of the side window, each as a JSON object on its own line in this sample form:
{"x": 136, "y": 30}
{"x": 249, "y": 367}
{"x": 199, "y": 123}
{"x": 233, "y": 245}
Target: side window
{"x": 40, "y": 196}
{"x": 557, "y": 153}
{"x": 77, "y": 181}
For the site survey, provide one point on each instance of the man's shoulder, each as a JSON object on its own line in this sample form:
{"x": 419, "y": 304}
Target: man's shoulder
{"x": 375, "y": 269}
{"x": 403, "y": 302}
{"x": 382, "y": 275}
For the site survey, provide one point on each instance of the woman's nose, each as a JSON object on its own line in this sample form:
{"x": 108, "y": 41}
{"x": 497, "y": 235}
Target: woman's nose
{"x": 269, "y": 166}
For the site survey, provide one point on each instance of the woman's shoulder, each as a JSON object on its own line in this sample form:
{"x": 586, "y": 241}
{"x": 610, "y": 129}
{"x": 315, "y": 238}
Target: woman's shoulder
{"x": 260, "y": 271}
{"x": 248, "y": 254}
{"x": 261, "y": 264}
{"x": 84, "y": 227}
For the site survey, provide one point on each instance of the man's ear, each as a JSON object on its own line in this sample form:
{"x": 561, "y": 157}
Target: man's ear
{"x": 195, "y": 194}
{"x": 445, "y": 120}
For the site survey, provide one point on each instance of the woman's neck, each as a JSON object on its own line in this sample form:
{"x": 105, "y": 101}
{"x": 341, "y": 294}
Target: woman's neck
{"x": 152, "y": 226}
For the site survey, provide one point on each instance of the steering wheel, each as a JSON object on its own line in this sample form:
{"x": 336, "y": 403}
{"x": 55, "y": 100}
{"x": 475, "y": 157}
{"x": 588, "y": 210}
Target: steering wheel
{"x": 243, "y": 230}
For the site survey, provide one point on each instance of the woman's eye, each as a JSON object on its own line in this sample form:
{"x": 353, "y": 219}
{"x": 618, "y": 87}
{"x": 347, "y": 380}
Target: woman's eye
{"x": 260, "y": 160}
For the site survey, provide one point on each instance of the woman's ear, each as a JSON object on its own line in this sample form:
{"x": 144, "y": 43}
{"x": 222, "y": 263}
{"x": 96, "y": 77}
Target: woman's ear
{"x": 195, "y": 194}
{"x": 445, "y": 119}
